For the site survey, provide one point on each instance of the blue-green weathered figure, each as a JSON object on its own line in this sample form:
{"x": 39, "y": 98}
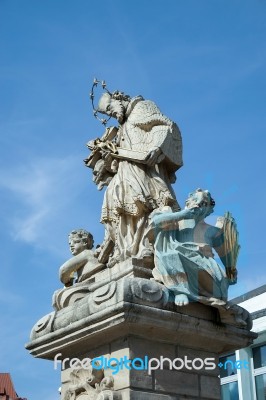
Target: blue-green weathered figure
{"x": 184, "y": 259}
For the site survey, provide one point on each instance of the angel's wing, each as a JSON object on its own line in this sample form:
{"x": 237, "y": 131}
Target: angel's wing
{"x": 231, "y": 245}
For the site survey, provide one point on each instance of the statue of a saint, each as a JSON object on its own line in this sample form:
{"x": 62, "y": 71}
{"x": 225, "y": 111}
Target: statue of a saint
{"x": 184, "y": 259}
{"x": 142, "y": 157}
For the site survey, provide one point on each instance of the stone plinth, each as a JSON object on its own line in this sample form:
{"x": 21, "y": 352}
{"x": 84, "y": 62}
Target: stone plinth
{"x": 135, "y": 317}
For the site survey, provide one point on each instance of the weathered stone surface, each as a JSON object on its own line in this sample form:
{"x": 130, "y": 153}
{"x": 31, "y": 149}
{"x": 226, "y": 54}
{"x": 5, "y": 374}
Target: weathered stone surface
{"x": 131, "y": 267}
{"x": 141, "y": 380}
{"x": 177, "y": 382}
{"x": 120, "y": 347}
{"x": 83, "y": 264}
{"x": 184, "y": 258}
{"x": 210, "y": 387}
{"x": 145, "y": 137}
{"x": 126, "y": 318}
{"x": 140, "y": 347}
{"x": 191, "y": 398}
{"x": 89, "y": 383}
{"x": 132, "y": 379}
{"x": 65, "y": 375}
{"x": 122, "y": 380}
{"x": 132, "y": 304}
{"x": 192, "y": 354}
{"x": 145, "y": 395}
{"x": 103, "y": 350}
{"x": 132, "y": 318}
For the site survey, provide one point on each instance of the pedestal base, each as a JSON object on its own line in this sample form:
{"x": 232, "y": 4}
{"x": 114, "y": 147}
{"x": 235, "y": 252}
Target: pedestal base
{"x": 135, "y": 318}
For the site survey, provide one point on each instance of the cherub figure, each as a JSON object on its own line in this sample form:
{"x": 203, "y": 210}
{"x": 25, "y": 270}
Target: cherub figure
{"x": 184, "y": 260}
{"x": 83, "y": 263}
{"x": 76, "y": 272}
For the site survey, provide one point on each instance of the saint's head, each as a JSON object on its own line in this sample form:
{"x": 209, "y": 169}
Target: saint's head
{"x": 114, "y": 105}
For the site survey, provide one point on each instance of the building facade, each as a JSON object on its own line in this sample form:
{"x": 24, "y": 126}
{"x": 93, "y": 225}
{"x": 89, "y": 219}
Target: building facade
{"x": 243, "y": 373}
{"x": 7, "y": 390}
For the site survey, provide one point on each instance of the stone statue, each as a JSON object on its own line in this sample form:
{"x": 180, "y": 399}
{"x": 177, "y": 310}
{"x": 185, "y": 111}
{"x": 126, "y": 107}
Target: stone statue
{"x": 76, "y": 271}
{"x": 184, "y": 260}
{"x": 137, "y": 162}
{"x": 90, "y": 384}
{"x": 131, "y": 294}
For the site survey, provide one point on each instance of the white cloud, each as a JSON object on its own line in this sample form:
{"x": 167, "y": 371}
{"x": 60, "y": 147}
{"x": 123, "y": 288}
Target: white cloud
{"x": 40, "y": 191}
{"x": 27, "y": 228}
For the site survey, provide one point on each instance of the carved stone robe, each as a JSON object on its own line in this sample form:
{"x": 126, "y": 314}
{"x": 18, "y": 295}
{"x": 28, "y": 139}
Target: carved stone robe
{"x": 185, "y": 263}
{"x": 138, "y": 189}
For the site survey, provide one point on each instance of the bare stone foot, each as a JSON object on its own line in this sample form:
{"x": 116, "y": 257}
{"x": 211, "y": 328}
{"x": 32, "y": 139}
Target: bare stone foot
{"x": 181, "y": 300}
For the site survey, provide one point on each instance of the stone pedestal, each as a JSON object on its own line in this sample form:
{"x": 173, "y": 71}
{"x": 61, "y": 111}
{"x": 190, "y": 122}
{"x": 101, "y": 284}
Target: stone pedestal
{"x": 135, "y": 317}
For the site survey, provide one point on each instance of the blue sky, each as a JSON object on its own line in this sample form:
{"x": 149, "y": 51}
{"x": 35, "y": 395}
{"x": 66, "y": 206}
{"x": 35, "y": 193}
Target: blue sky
{"x": 202, "y": 62}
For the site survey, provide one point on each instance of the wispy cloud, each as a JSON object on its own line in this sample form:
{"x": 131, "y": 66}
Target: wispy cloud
{"x": 38, "y": 191}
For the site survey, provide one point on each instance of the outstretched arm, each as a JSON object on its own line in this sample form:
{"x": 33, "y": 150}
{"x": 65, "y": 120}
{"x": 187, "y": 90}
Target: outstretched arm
{"x": 72, "y": 265}
{"x": 165, "y": 219}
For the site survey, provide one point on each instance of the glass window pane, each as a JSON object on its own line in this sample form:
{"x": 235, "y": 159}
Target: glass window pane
{"x": 227, "y": 365}
{"x": 259, "y": 356}
{"x": 229, "y": 391}
{"x": 261, "y": 386}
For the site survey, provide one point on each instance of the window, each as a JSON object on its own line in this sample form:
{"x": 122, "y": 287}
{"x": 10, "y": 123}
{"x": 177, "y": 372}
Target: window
{"x": 228, "y": 375}
{"x": 260, "y": 381}
{"x": 239, "y": 382}
{"x": 259, "y": 362}
{"x": 229, "y": 391}
{"x": 227, "y": 365}
{"x": 259, "y": 356}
